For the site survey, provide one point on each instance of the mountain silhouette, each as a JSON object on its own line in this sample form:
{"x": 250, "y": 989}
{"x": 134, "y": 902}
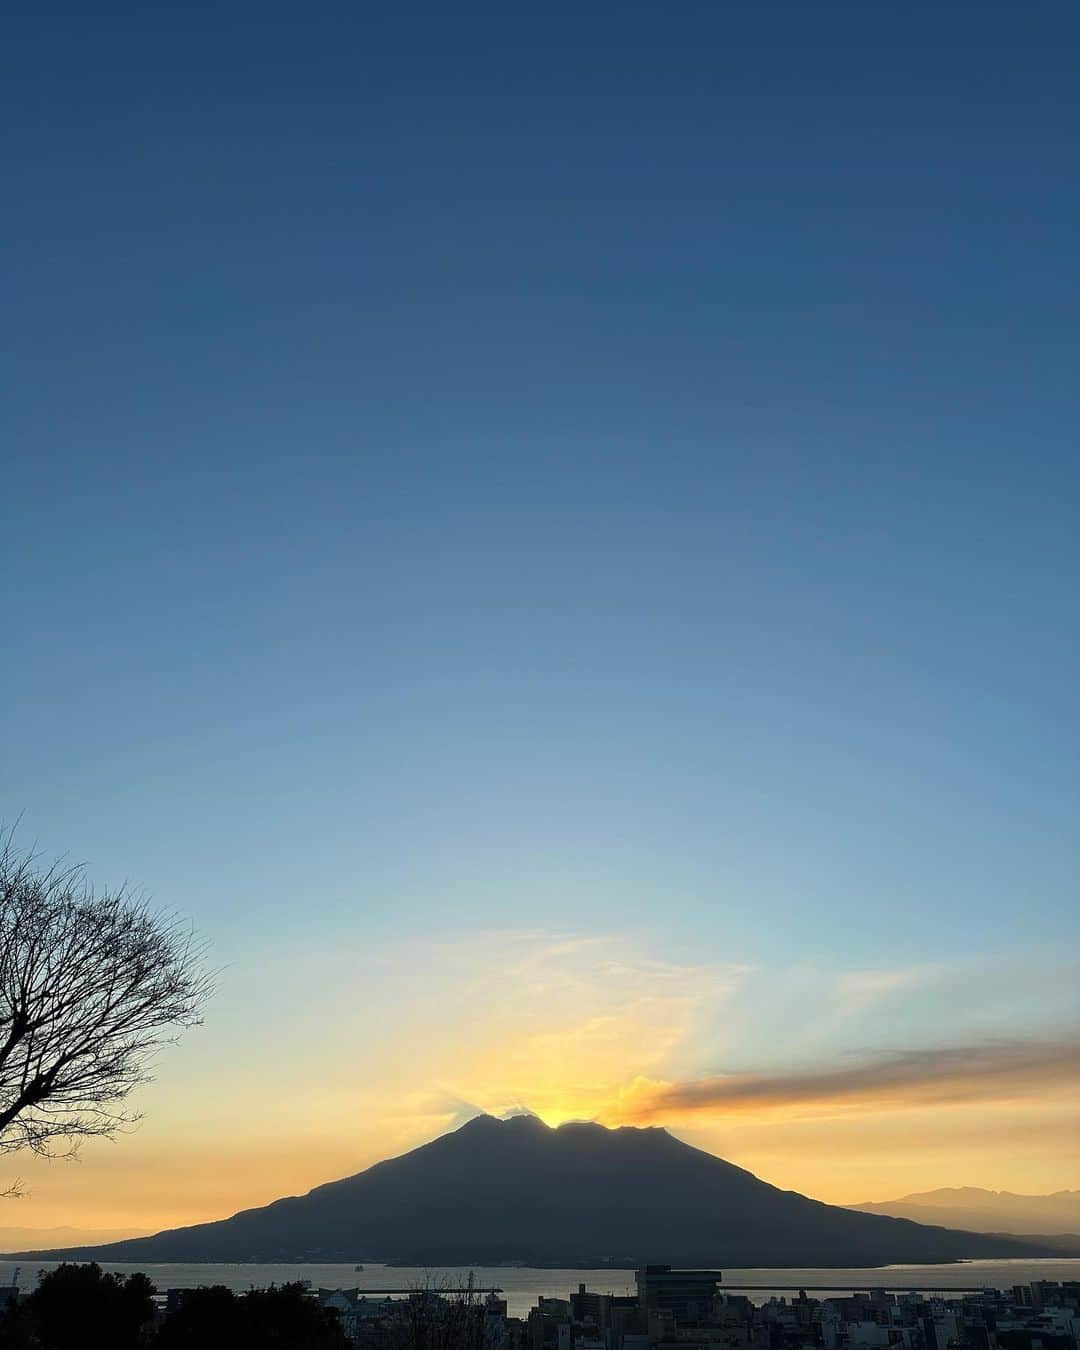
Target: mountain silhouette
{"x": 985, "y": 1211}
{"x": 580, "y": 1195}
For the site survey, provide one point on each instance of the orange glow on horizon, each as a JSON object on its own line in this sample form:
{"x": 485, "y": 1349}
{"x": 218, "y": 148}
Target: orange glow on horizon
{"x": 569, "y": 1031}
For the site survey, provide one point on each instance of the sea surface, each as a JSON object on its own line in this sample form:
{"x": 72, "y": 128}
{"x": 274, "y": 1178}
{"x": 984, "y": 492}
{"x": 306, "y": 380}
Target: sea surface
{"x": 521, "y": 1285}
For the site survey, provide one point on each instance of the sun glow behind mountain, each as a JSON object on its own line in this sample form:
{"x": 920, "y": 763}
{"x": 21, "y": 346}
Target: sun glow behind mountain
{"x": 583, "y": 1028}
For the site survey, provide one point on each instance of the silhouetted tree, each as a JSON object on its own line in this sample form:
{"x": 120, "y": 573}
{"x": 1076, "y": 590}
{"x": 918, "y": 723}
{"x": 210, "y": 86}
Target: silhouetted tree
{"x": 287, "y": 1319}
{"x": 438, "y": 1317}
{"x": 79, "y": 1307}
{"x": 206, "y": 1319}
{"x": 283, "y": 1318}
{"x": 90, "y": 986}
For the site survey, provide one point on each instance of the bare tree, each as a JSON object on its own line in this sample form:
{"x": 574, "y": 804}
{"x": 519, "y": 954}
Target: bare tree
{"x": 440, "y": 1316}
{"x": 90, "y": 986}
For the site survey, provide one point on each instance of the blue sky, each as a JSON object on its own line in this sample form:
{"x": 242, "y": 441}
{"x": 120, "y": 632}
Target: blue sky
{"x": 607, "y": 472}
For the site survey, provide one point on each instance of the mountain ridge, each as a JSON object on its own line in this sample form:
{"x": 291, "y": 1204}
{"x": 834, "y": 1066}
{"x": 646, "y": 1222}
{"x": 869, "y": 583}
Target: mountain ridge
{"x": 986, "y": 1211}
{"x": 577, "y": 1195}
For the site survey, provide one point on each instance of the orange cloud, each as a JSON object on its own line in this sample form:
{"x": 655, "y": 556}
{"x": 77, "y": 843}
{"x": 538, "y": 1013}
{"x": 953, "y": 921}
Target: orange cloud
{"x": 991, "y": 1071}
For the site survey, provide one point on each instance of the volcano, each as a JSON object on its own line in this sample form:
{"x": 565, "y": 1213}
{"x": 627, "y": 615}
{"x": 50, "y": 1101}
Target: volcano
{"x": 580, "y": 1195}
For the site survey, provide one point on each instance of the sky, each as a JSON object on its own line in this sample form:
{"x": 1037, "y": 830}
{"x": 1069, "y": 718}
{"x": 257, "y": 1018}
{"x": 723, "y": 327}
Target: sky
{"x": 552, "y": 538}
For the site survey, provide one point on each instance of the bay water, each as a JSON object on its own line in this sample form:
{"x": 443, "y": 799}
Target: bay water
{"x": 522, "y": 1285}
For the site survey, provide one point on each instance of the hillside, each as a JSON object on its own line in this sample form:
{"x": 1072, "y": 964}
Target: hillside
{"x": 984, "y": 1211}
{"x": 518, "y": 1190}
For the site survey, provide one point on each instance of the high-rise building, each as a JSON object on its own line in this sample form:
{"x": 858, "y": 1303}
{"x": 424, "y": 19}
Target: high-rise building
{"x": 689, "y": 1294}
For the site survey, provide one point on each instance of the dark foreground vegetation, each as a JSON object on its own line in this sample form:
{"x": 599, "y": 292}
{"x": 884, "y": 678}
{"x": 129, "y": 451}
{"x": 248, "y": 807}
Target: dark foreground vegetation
{"x": 80, "y": 1307}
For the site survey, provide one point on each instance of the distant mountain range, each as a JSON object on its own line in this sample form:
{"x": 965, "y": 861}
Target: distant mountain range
{"x": 985, "y": 1211}
{"x": 579, "y": 1195}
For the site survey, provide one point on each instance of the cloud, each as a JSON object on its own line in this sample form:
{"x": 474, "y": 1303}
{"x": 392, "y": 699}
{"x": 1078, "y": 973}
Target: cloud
{"x": 1000, "y": 1070}
{"x": 856, "y": 989}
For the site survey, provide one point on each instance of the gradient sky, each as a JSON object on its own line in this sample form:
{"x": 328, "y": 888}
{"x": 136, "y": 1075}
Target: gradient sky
{"x": 553, "y": 537}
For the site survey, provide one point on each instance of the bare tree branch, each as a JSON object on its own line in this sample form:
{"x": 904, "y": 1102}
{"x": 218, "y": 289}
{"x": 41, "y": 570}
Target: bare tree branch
{"x": 90, "y": 987}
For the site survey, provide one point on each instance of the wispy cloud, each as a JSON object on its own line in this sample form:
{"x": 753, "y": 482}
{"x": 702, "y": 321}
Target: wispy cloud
{"x": 999, "y": 1070}
{"x": 854, "y": 990}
